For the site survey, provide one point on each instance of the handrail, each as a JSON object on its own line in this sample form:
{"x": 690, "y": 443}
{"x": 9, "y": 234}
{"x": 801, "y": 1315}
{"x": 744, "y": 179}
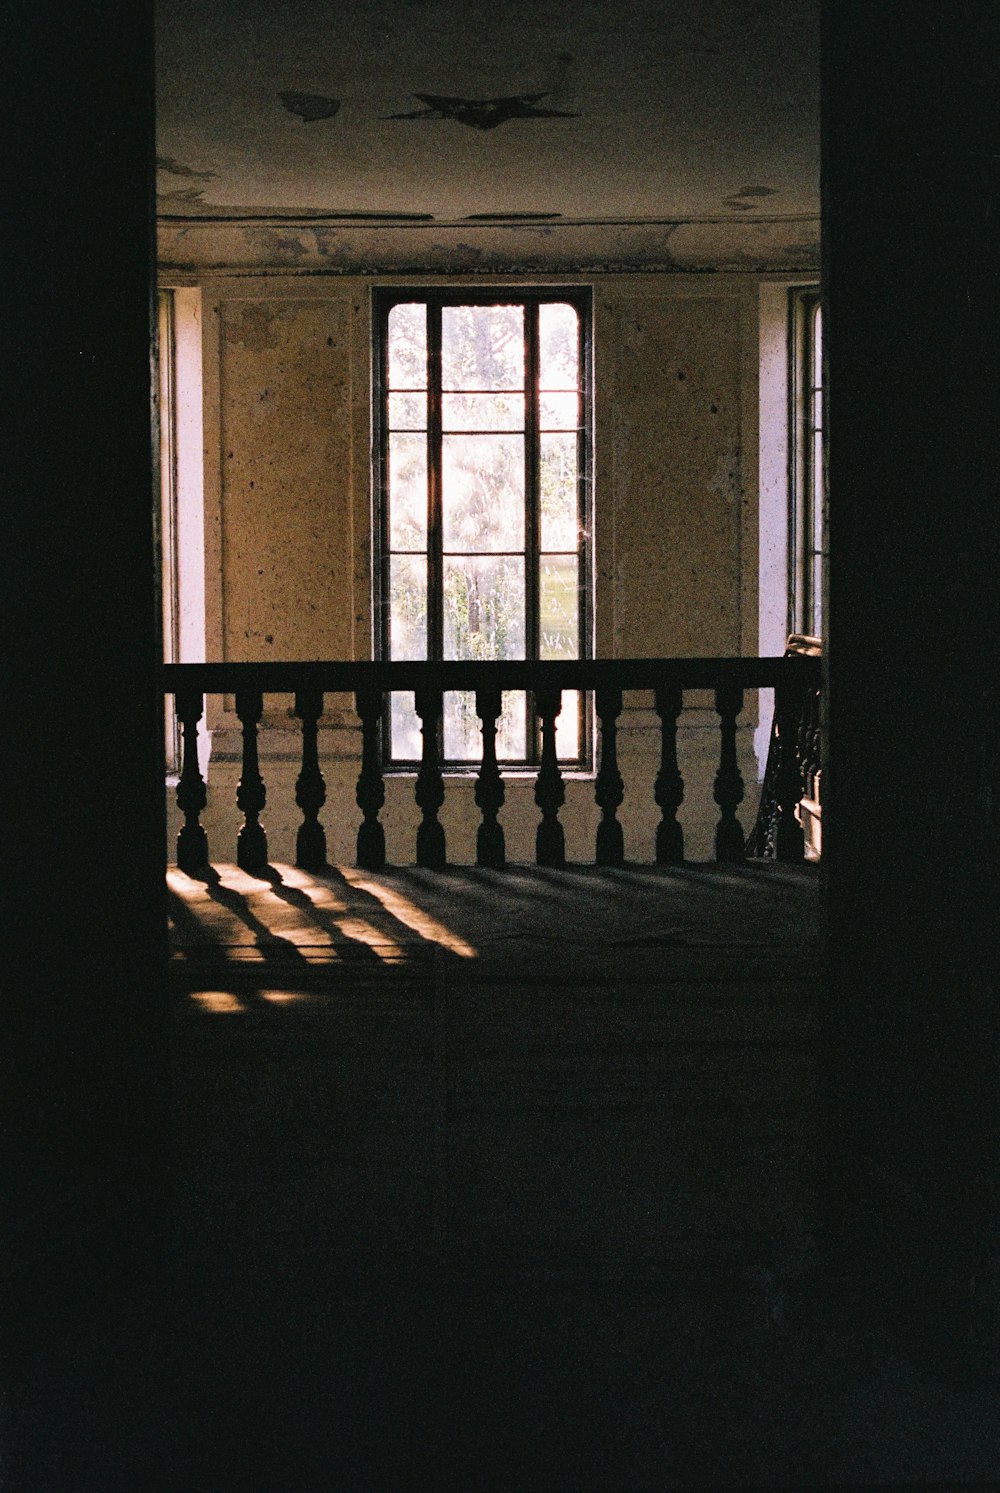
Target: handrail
{"x": 511, "y": 674}
{"x": 794, "y": 678}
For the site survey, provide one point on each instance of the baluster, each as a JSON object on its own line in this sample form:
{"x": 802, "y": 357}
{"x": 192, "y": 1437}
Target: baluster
{"x": 550, "y": 793}
{"x": 251, "y": 794}
{"x": 310, "y": 785}
{"x": 609, "y": 790}
{"x": 729, "y": 842}
{"x": 192, "y": 795}
{"x": 789, "y": 708}
{"x": 669, "y": 789}
{"x": 490, "y": 848}
{"x": 370, "y": 792}
{"x": 429, "y": 791}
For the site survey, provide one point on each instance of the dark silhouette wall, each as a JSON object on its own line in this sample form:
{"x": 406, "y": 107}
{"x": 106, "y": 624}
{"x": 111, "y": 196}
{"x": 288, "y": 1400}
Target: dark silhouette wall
{"x": 910, "y": 266}
{"x": 83, "y": 835}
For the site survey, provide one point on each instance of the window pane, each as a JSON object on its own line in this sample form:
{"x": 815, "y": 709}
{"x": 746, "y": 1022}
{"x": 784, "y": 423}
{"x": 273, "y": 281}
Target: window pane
{"x": 407, "y": 411}
{"x": 512, "y": 731}
{"x": 558, "y": 347}
{"x": 408, "y": 347}
{"x": 482, "y": 411}
{"x": 483, "y": 606}
{"x": 559, "y": 606}
{"x": 463, "y": 739}
{"x": 818, "y": 487}
{"x": 558, "y": 484}
{"x": 404, "y": 726}
{"x": 818, "y": 343}
{"x": 568, "y": 727}
{"x": 483, "y": 492}
{"x": 816, "y": 625}
{"x": 408, "y": 606}
{"x": 558, "y": 411}
{"x": 482, "y": 347}
{"x": 407, "y": 492}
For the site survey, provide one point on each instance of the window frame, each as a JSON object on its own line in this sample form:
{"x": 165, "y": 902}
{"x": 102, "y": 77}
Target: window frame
{"x": 807, "y": 509}
{"x": 436, "y": 298}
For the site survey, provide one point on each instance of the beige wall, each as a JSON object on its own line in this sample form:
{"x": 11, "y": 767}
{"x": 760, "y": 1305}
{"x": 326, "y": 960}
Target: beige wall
{"x": 286, "y": 362}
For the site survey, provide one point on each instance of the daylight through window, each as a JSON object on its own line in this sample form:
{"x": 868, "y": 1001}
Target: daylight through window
{"x": 807, "y": 548}
{"x": 483, "y": 470}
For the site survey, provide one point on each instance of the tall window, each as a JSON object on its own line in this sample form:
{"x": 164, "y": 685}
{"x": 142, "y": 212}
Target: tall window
{"x": 167, "y": 368}
{"x": 483, "y": 483}
{"x": 180, "y": 505}
{"x": 807, "y": 538}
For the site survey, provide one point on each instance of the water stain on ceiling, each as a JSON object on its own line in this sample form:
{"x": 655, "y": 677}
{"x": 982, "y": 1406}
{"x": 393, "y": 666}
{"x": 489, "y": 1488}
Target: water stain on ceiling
{"x": 670, "y": 110}
{"x": 177, "y": 168}
{"x": 483, "y": 114}
{"x": 737, "y": 200}
{"x": 309, "y": 106}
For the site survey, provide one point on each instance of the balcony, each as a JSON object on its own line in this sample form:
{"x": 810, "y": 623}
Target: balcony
{"x": 794, "y": 678}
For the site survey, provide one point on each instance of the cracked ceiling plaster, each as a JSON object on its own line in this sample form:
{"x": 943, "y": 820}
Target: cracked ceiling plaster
{"x": 552, "y": 117}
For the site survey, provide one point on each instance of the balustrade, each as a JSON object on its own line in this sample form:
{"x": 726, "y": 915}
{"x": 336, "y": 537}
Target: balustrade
{"x": 793, "y": 771}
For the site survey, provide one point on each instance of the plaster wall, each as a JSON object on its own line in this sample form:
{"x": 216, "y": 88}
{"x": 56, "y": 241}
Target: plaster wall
{"x": 288, "y": 534}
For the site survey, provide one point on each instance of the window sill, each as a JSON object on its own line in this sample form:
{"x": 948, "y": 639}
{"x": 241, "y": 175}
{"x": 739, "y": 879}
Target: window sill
{"x": 508, "y": 774}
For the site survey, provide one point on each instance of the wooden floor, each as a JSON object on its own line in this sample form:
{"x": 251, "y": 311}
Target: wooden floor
{"x": 499, "y": 1180}
{"x": 558, "y": 1072}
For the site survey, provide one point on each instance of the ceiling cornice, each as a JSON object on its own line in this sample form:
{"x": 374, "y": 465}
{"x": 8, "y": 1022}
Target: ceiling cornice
{"x": 314, "y": 245}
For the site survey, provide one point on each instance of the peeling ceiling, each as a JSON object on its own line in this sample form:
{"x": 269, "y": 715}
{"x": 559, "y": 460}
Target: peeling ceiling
{"x": 537, "y": 112}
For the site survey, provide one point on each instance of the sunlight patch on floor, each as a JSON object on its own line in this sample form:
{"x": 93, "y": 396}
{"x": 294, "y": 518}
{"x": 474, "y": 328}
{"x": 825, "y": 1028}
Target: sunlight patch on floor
{"x": 409, "y": 914}
{"x": 286, "y": 997}
{"x": 218, "y": 1002}
{"x": 279, "y": 916}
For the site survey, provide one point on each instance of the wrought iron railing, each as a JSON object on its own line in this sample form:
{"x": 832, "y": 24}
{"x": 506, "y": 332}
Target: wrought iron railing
{"x": 799, "y": 734}
{"x": 795, "y": 679}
